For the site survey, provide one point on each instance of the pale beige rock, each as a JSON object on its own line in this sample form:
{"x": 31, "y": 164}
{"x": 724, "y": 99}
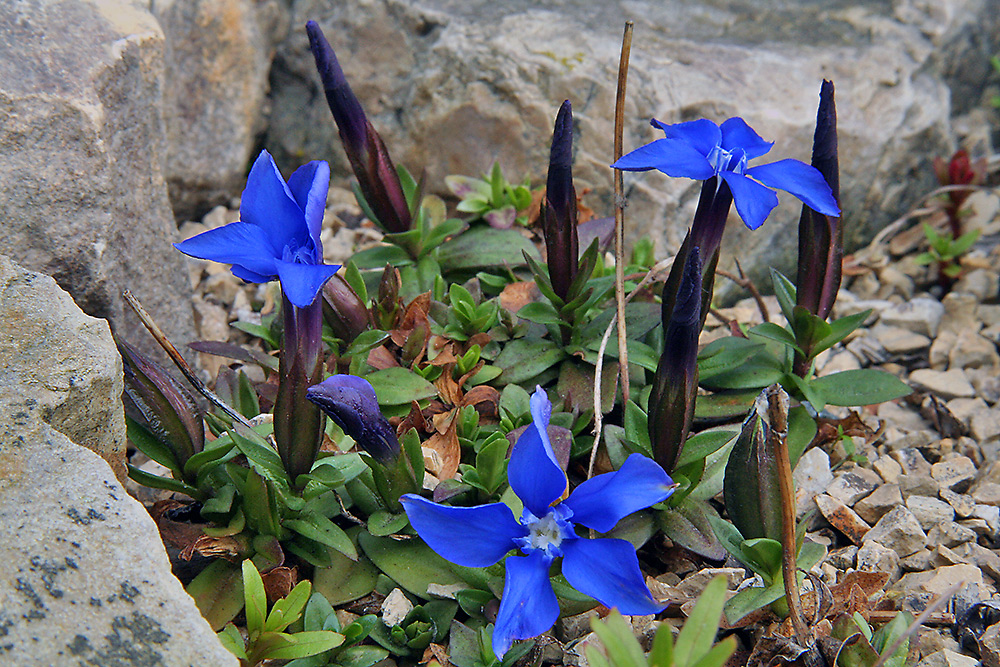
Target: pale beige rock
{"x": 62, "y": 360}
{"x": 82, "y": 193}
{"x": 877, "y": 504}
{"x": 945, "y": 384}
{"x": 898, "y": 530}
{"x": 86, "y": 581}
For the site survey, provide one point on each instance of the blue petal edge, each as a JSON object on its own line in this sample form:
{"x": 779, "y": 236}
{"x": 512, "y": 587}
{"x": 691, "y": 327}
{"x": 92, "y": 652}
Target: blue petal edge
{"x": 603, "y": 501}
{"x": 469, "y": 536}
{"x": 528, "y": 606}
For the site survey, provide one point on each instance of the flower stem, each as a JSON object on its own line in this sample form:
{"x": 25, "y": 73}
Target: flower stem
{"x": 620, "y": 210}
{"x": 777, "y": 415}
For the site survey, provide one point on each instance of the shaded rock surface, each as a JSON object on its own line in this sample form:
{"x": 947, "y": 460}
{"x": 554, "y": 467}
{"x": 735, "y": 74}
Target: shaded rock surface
{"x": 218, "y": 57}
{"x": 454, "y": 85}
{"x": 61, "y": 362}
{"x": 82, "y": 192}
{"x": 87, "y": 581}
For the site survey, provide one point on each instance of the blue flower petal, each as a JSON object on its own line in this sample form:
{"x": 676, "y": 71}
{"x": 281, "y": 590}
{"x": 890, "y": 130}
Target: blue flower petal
{"x": 753, "y": 201}
{"x": 608, "y": 571}
{"x": 249, "y": 276}
{"x": 737, "y": 134}
{"x": 302, "y": 282}
{"x": 802, "y": 180}
{"x": 528, "y": 606}
{"x": 703, "y": 134}
{"x": 237, "y": 243}
{"x": 470, "y": 536}
{"x": 533, "y": 472}
{"x": 673, "y": 157}
{"x": 603, "y": 501}
{"x": 310, "y": 185}
{"x": 268, "y": 203}
{"x": 350, "y": 401}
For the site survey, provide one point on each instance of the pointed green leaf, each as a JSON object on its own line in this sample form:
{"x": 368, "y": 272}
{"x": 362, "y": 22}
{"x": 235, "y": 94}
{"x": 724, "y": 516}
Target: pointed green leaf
{"x": 867, "y": 386}
{"x": 698, "y": 634}
{"x": 254, "y": 599}
{"x": 320, "y": 529}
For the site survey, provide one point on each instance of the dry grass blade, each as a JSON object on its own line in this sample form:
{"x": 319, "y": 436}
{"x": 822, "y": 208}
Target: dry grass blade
{"x": 620, "y": 211}
{"x": 918, "y": 621}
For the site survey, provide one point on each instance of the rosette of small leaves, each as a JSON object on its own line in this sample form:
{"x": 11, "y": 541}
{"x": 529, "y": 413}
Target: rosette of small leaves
{"x": 266, "y": 637}
{"x": 863, "y": 646}
{"x": 946, "y": 251}
{"x": 492, "y": 198}
{"x": 466, "y": 318}
{"x": 320, "y": 616}
{"x": 695, "y": 645}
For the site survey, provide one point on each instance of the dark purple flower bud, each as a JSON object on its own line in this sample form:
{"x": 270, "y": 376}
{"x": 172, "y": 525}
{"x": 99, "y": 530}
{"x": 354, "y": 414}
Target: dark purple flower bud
{"x": 343, "y": 310}
{"x": 376, "y": 174}
{"x": 751, "y": 484}
{"x": 157, "y": 402}
{"x": 671, "y": 403}
{"x": 706, "y": 234}
{"x": 559, "y": 212}
{"x": 351, "y": 403}
{"x": 821, "y": 237}
{"x": 298, "y": 425}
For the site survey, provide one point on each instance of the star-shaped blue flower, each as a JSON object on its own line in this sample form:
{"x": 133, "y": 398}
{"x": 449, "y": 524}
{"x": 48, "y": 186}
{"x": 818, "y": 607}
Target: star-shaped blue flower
{"x": 277, "y": 236}
{"x": 605, "y": 569}
{"x": 700, "y": 149}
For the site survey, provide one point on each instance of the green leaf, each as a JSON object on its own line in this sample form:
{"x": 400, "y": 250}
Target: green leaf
{"x": 840, "y": 329}
{"x": 620, "y": 643}
{"x": 156, "y": 482}
{"x": 662, "y": 652}
{"x": 400, "y": 386}
{"x": 784, "y": 290}
{"x": 540, "y": 313}
{"x": 231, "y": 638}
{"x": 866, "y": 386}
{"x": 259, "y": 453}
{"x": 320, "y": 529}
{"x": 725, "y": 354}
{"x": 305, "y": 644}
{"x": 772, "y": 331}
{"x": 801, "y": 431}
{"x": 888, "y": 634}
{"x": 254, "y": 599}
{"x": 366, "y": 342}
{"x": 719, "y": 654}
{"x": 724, "y": 406}
{"x": 413, "y": 565}
{"x": 345, "y": 580}
{"x": 258, "y": 330}
{"x": 287, "y": 610}
{"x": 698, "y": 634}
{"x": 809, "y": 329}
{"x": 761, "y": 371}
{"x": 688, "y": 525}
{"x": 701, "y": 445}
{"x": 763, "y": 555}
{"x": 639, "y": 353}
{"x": 378, "y": 256}
{"x": 482, "y": 247}
{"x": 384, "y": 523}
{"x": 964, "y": 242}
{"x": 360, "y": 656}
{"x": 151, "y": 447}
{"x": 641, "y": 317}
{"x": 524, "y": 358}
{"x": 215, "y": 453}
{"x": 317, "y": 611}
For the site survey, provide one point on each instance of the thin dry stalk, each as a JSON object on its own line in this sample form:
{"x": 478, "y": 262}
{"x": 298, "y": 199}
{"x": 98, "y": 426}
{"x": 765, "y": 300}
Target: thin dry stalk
{"x": 620, "y": 210}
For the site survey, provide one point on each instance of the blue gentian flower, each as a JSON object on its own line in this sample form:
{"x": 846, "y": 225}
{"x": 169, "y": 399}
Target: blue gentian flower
{"x": 700, "y": 149}
{"x": 277, "y": 236}
{"x": 350, "y": 401}
{"x": 605, "y": 569}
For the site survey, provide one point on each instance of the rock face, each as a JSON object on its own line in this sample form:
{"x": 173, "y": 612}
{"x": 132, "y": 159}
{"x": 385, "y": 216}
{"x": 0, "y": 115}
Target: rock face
{"x": 61, "y": 362}
{"x": 86, "y": 581}
{"x": 82, "y": 193}
{"x": 453, "y": 85}
{"x": 218, "y": 57}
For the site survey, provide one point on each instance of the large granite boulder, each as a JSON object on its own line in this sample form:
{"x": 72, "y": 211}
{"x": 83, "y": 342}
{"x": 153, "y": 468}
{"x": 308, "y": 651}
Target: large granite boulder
{"x": 218, "y": 58}
{"x": 61, "y": 362}
{"x": 84, "y": 578}
{"x": 453, "y": 85}
{"x": 82, "y": 191}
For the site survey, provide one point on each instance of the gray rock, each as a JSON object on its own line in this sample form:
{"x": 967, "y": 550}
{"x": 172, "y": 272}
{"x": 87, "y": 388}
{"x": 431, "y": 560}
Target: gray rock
{"x": 453, "y": 85}
{"x": 950, "y": 534}
{"x": 955, "y": 474}
{"x": 873, "y": 557}
{"x": 984, "y": 425}
{"x": 82, "y": 194}
{"x": 811, "y": 476}
{"x": 962, "y": 504}
{"x": 960, "y": 313}
{"x": 849, "y": 487}
{"x": 964, "y": 409}
{"x": 888, "y": 469}
{"x": 897, "y": 340}
{"x": 912, "y": 461}
{"x": 929, "y": 511}
{"x": 86, "y": 581}
{"x": 986, "y": 493}
{"x": 900, "y": 531}
{"x": 986, "y": 382}
{"x": 947, "y": 658}
{"x": 986, "y": 559}
{"x": 981, "y": 283}
{"x": 921, "y": 315}
{"x": 61, "y": 361}
{"x": 946, "y": 384}
{"x": 971, "y": 350}
{"x": 843, "y": 558}
{"x": 873, "y": 507}
{"x": 218, "y": 56}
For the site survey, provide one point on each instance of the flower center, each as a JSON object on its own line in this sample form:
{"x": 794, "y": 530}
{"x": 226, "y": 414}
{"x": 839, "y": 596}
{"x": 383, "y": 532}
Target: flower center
{"x": 723, "y": 160}
{"x": 297, "y": 254}
{"x": 547, "y": 533}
